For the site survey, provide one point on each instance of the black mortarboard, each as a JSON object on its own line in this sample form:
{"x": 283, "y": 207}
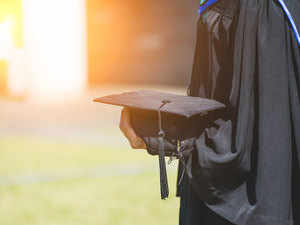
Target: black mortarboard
{"x": 166, "y": 116}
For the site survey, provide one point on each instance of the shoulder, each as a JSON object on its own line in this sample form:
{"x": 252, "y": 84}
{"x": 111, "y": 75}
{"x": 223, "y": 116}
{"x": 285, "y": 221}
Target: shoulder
{"x": 227, "y": 8}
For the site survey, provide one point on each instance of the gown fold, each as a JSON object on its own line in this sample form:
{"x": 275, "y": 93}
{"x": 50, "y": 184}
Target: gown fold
{"x": 245, "y": 165}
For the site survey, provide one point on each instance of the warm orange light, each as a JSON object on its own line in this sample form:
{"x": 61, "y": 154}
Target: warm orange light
{"x": 109, "y": 39}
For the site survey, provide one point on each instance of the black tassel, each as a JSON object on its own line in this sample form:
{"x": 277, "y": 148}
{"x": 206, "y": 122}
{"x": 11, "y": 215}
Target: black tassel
{"x": 164, "y": 187}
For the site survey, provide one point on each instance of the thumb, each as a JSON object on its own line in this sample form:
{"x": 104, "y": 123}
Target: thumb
{"x": 137, "y": 143}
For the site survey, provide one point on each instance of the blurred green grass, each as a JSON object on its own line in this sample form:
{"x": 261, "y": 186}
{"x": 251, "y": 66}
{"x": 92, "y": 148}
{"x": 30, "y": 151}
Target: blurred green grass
{"x": 108, "y": 200}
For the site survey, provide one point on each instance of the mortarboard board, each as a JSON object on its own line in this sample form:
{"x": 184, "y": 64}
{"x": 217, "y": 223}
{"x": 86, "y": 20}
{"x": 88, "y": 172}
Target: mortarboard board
{"x": 165, "y": 116}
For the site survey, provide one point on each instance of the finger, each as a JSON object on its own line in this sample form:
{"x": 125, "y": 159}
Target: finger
{"x": 128, "y": 132}
{"x": 125, "y": 122}
{"x": 132, "y": 137}
{"x": 126, "y": 115}
{"x": 138, "y": 143}
{"x": 125, "y": 119}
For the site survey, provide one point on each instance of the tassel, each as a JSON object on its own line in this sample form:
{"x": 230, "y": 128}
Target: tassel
{"x": 164, "y": 187}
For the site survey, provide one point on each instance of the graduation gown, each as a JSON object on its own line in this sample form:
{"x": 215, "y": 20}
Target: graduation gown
{"x": 244, "y": 169}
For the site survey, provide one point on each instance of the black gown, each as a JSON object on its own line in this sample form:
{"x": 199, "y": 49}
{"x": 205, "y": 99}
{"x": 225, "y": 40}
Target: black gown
{"x": 245, "y": 168}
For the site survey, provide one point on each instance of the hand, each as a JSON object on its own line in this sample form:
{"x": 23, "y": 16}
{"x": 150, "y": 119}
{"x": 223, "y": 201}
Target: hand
{"x": 170, "y": 147}
{"x": 125, "y": 126}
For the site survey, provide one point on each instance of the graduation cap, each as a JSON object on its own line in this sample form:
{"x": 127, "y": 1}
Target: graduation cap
{"x": 165, "y": 116}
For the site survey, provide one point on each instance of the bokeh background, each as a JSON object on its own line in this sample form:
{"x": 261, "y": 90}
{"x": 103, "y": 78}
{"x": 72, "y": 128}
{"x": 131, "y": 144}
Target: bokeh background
{"x": 63, "y": 159}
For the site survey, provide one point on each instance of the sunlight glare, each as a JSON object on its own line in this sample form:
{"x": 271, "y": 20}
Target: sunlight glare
{"x": 6, "y": 42}
{"x": 55, "y": 47}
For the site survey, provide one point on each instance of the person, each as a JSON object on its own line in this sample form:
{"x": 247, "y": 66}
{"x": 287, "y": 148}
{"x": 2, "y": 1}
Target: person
{"x": 244, "y": 167}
